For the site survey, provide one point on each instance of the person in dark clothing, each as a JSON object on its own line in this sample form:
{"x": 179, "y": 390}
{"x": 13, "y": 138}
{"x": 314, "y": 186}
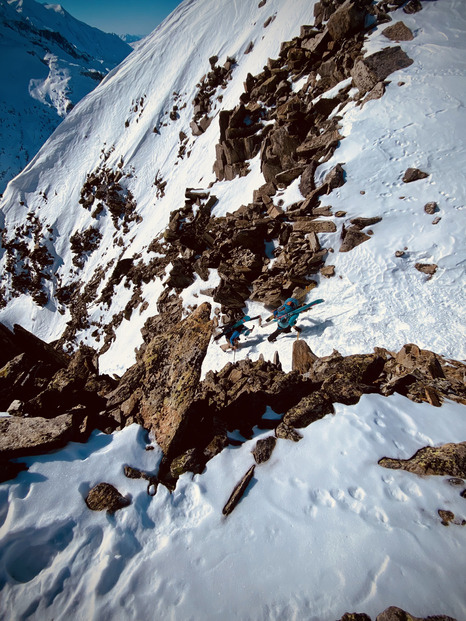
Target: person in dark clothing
{"x": 233, "y": 338}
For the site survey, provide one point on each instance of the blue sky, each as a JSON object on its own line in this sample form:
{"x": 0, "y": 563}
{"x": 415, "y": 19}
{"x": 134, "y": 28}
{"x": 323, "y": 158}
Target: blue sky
{"x": 120, "y": 16}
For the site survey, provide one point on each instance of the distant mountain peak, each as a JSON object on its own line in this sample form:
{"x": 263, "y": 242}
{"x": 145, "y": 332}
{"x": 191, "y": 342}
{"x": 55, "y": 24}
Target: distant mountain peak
{"x": 50, "y": 61}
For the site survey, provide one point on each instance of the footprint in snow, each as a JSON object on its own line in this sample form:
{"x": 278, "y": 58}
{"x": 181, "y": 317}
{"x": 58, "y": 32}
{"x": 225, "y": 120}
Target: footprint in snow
{"x": 351, "y": 499}
{"x": 322, "y": 498}
{"x": 357, "y": 493}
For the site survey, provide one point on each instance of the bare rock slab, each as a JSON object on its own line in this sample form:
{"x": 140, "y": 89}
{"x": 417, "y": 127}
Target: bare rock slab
{"x": 449, "y": 459}
{"x": 28, "y": 436}
{"x": 367, "y": 72}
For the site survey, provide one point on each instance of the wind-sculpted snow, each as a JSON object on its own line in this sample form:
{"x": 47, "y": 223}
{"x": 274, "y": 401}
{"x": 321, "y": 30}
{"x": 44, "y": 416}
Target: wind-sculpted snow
{"x": 322, "y": 528}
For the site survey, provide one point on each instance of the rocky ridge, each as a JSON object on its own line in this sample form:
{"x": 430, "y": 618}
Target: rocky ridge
{"x": 293, "y": 128}
{"x": 54, "y": 398}
{"x": 285, "y": 116}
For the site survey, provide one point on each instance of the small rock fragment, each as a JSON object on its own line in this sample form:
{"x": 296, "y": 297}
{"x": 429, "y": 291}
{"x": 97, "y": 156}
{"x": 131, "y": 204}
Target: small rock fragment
{"x": 263, "y": 449}
{"x": 105, "y": 496}
{"x": 238, "y": 492}
{"x": 426, "y": 268}
{"x": 414, "y": 174}
{"x": 431, "y": 208}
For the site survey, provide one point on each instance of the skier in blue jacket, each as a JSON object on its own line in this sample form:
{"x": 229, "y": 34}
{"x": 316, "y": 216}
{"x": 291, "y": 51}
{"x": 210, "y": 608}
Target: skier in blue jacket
{"x": 233, "y": 338}
{"x": 285, "y": 321}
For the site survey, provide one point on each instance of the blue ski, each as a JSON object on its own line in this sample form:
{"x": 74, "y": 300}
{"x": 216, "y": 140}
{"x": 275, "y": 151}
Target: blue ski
{"x": 301, "y": 309}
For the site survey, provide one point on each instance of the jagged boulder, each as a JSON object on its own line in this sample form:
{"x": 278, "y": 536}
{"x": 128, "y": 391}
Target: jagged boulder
{"x": 398, "y": 32}
{"x": 411, "y": 357}
{"x": 398, "y": 614}
{"x": 286, "y": 432}
{"x": 23, "y": 341}
{"x": 393, "y": 613}
{"x": 367, "y": 72}
{"x": 191, "y": 460}
{"x": 170, "y": 371}
{"x": 77, "y": 385}
{"x": 307, "y": 182}
{"x": 345, "y": 379}
{"x": 47, "y": 382}
{"x": 303, "y": 357}
{"x": 231, "y": 295}
{"x": 316, "y": 146}
{"x": 308, "y": 410}
{"x": 346, "y": 20}
{"x": 240, "y": 393}
{"x": 352, "y": 237}
{"x": 422, "y": 376}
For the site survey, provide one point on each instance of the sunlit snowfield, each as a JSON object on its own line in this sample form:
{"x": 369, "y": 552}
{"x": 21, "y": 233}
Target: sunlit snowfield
{"x": 322, "y": 529}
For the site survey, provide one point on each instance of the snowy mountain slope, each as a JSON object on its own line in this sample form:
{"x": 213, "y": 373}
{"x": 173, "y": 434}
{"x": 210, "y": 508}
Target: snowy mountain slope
{"x": 125, "y": 125}
{"x": 49, "y": 62}
{"x": 323, "y": 529}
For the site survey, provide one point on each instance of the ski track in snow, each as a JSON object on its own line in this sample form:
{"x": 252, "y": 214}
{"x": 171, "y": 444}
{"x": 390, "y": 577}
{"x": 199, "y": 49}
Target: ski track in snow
{"x": 322, "y": 529}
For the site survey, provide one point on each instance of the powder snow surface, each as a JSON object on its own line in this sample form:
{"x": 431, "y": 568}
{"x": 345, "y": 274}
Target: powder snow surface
{"x": 322, "y": 529}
